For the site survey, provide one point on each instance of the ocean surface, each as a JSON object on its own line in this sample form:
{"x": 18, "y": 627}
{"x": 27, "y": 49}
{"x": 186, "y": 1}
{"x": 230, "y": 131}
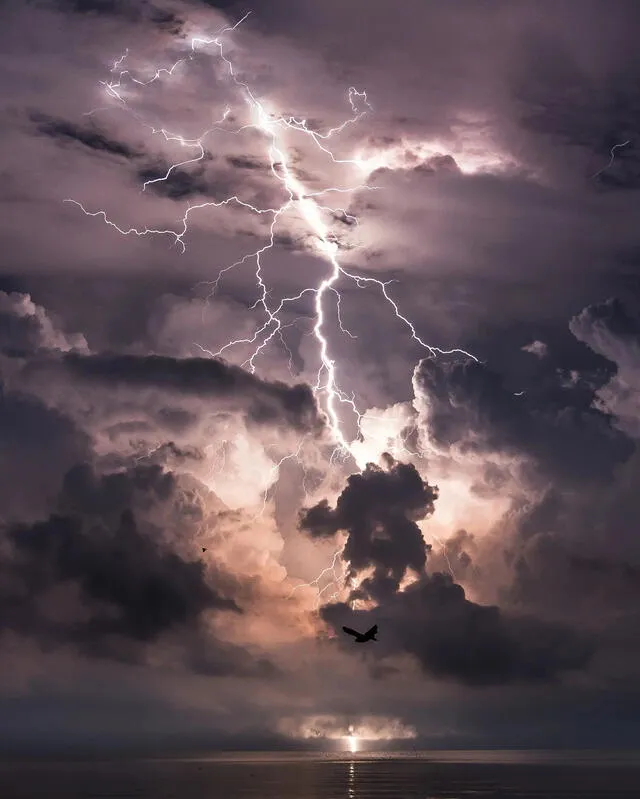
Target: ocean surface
{"x": 397, "y": 775}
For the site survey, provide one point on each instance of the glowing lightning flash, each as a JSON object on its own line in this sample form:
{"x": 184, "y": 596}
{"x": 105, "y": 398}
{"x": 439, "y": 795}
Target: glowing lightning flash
{"x": 310, "y": 209}
{"x": 307, "y": 203}
{"x": 332, "y": 570}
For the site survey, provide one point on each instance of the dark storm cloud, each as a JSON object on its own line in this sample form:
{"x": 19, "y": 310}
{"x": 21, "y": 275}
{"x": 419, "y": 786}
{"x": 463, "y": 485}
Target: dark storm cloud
{"x": 379, "y": 510}
{"x": 555, "y": 88}
{"x": 38, "y": 445}
{"x": 99, "y": 7}
{"x": 166, "y": 20}
{"x": 171, "y": 453}
{"x": 576, "y": 550}
{"x": 599, "y": 582}
{"x": 247, "y": 162}
{"x": 267, "y": 402}
{"x": 564, "y": 98}
{"x": 456, "y": 639}
{"x": 232, "y": 6}
{"x": 149, "y": 591}
{"x": 97, "y": 576}
{"x": 613, "y": 331}
{"x": 130, "y": 10}
{"x": 572, "y": 551}
{"x": 179, "y": 184}
{"x": 607, "y": 320}
{"x": 450, "y": 636}
{"x": 242, "y": 176}
{"x": 468, "y": 404}
{"x": 577, "y": 432}
{"x": 204, "y": 179}
{"x": 26, "y": 328}
{"x": 108, "y": 496}
{"x": 89, "y": 136}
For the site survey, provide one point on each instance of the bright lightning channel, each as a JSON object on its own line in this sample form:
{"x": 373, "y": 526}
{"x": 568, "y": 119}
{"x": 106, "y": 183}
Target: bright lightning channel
{"x": 307, "y": 203}
{"x": 332, "y": 570}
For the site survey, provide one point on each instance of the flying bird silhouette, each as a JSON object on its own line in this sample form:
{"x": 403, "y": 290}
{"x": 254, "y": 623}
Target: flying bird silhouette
{"x": 362, "y": 638}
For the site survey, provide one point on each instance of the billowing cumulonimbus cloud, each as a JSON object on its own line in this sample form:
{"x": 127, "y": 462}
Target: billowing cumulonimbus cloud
{"x": 453, "y": 638}
{"x": 574, "y": 552}
{"x": 467, "y": 405}
{"x": 150, "y": 591}
{"x": 142, "y": 405}
{"x": 378, "y": 510}
{"x": 563, "y": 553}
{"x": 38, "y": 445}
{"x": 484, "y": 226}
{"x": 264, "y": 402}
{"x": 431, "y": 619}
{"x": 98, "y": 576}
{"x": 26, "y": 328}
{"x": 611, "y": 331}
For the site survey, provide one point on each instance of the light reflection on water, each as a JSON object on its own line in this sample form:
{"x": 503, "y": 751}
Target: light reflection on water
{"x": 381, "y": 775}
{"x": 352, "y": 780}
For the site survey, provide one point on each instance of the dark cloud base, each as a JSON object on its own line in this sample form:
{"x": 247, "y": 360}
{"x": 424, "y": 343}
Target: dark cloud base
{"x": 451, "y": 637}
{"x": 267, "y": 402}
{"x": 127, "y": 587}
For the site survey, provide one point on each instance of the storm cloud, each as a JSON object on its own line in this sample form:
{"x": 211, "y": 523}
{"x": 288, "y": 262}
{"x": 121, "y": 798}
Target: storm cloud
{"x": 431, "y": 618}
{"x": 102, "y": 578}
{"x": 266, "y": 402}
{"x": 379, "y": 510}
{"x": 186, "y": 532}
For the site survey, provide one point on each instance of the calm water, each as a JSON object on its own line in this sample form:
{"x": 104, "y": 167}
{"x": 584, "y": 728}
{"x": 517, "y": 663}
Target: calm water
{"x": 427, "y": 775}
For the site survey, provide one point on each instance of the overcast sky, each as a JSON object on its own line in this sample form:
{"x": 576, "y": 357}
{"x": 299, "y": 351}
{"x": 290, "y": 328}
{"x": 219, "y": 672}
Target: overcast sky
{"x": 326, "y": 315}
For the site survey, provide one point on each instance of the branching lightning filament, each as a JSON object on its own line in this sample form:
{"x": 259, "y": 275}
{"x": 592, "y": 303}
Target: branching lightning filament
{"x": 308, "y": 204}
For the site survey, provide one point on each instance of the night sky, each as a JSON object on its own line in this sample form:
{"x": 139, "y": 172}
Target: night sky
{"x": 327, "y": 315}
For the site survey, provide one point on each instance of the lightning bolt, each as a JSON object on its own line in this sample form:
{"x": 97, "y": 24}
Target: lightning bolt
{"x": 305, "y": 202}
{"x": 444, "y": 549}
{"x": 612, "y": 155}
{"x": 336, "y": 582}
{"x": 308, "y": 205}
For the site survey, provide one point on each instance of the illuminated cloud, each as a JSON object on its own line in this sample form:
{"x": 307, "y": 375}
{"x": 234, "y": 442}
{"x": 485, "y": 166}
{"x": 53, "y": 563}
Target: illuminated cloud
{"x": 95, "y": 578}
{"x": 609, "y": 330}
{"x": 119, "y": 415}
{"x": 365, "y": 728}
{"x": 430, "y": 616}
{"x": 537, "y": 348}
{"x": 26, "y": 328}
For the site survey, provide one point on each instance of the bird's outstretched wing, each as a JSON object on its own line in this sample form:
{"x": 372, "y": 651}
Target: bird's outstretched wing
{"x": 349, "y": 631}
{"x": 373, "y": 630}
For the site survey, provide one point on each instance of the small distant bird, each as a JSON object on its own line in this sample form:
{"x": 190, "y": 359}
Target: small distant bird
{"x": 362, "y": 638}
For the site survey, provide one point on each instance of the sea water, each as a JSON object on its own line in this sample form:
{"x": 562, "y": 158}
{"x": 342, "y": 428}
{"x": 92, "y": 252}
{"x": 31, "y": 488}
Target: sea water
{"x": 379, "y": 775}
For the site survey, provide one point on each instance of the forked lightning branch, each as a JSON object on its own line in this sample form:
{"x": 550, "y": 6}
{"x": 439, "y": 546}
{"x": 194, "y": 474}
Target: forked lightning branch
{"x": 310, "y": 206}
